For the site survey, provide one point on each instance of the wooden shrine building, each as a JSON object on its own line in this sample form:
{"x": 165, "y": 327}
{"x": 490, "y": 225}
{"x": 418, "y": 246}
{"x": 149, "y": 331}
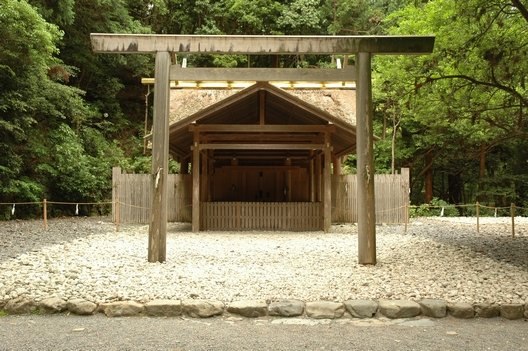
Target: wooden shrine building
{"x": 262, "y": 157}
{"x": 220, "y": 132}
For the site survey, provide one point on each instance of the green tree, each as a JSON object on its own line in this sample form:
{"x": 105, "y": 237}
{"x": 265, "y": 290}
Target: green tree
{"x": 463, "y": 106}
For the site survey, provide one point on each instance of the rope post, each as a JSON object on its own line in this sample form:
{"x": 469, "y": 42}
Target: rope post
{"x": 45, "y": 213}
{"x": 512, "y": 211}
{"x": 478, "y": 217}
{"x": 117, "y": 214}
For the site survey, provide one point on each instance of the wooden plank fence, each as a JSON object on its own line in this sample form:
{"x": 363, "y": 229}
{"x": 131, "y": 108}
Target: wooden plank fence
{"x": 391, "y": 192}
{"x": 292, "y": 216}
{"x": 134, "y": 194}
{"x": 133, "y": 191}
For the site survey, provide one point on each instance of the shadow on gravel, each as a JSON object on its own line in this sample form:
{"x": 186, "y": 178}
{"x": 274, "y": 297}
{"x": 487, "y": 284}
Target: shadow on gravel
{"x": 494, "y": 241}
{"x": 18, "y": 237}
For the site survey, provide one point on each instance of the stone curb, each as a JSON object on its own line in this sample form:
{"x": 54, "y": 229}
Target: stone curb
{"x": 195, "y": 308}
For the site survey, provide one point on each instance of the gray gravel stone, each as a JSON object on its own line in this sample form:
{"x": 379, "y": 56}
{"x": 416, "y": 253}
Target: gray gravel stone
{"x": 164, "y": 308}
{"x": 86, "y": 258}
{"x": 325, "y": 309}
{"x": 286, "y": 308}
{"x": 433, "y": 308}
{"x": 486, "y": 310}
{"x": 399, "y": 308}
{"x": 461, "y": 310}
{"x": 20, "y": 305}
{"x": 123, "y": 309}
{"x": 512, "y": 311}
{"x": 81, "y": 307}
{"x": 361, "y": 308}
{"x": 202, "y": 308}
{"x": 52, "y": 305}
{"x": 248, "y": 308}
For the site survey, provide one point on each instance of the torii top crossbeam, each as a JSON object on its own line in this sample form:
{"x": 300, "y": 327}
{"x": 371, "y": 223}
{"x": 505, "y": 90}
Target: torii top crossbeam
{"x": 363, "y": 47}
{"x": 260, "y": 45}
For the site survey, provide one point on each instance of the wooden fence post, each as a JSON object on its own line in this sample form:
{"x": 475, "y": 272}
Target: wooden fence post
{"x": 406, "y": 216}
{"x": 117, "y": 213}
{"x": 478, "y": 217}
{"x": 512, "y": 212}
{"x": 45, "y": 213}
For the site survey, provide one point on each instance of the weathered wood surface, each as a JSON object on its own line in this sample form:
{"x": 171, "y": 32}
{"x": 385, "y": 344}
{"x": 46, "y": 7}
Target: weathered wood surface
{"x": 262, "y": 45}
{"x": 160, "y": 160}
{"x": 365, "y": 161}
{"x": 391, "y": 196}
{"x": 133, "y": 191}
{"x": 292, "y": 216}
{"x": 134, "y": 194}
{"x": 263, "y": 74}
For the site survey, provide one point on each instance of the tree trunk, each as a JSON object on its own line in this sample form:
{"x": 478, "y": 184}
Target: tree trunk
{"x": 428, "y": 177}
{"x": 455, "y": 188}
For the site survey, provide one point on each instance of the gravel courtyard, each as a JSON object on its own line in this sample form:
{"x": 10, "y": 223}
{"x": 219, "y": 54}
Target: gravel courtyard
{"x": 436, "y": 258}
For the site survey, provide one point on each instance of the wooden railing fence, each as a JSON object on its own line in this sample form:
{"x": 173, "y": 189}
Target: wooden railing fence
{"x": 133, "y": 193}
{"x": 392, "y": 198}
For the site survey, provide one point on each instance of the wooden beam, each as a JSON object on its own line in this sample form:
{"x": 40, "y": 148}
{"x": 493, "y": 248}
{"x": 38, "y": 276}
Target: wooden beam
{"x": 196, "y": 184}
{"x": 327, "y": 181}
{"x": 253, "y": 168}
{"x": 262, "y": 107}
{"x": 311, "y": 175}
{"x": 261, "y": 146}
{"x": 260, "y": 44}
{"x": 157, "y": 245}
{"x": 325, "y": 75}
{"x": 267, "y": 128}
{"x": 365, "y": 162}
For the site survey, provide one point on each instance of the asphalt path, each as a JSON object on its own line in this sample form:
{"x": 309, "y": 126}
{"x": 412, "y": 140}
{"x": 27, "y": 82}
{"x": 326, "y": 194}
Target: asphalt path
{"x": 63, "y": 332}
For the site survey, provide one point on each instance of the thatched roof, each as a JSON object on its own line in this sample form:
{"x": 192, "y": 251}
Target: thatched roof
{"x": 280, "y": 107}
{"x": 340, "y": 103}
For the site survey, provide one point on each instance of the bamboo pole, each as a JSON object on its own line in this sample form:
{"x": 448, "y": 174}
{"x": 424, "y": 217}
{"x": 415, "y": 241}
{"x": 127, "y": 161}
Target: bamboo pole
{"x": 45, "y": 212}
{"x": 478, "y": 217}
{"x": 512, "y": 212}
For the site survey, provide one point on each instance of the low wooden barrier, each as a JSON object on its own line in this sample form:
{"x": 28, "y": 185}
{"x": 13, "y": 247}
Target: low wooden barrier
{"x": 292, "y": 216}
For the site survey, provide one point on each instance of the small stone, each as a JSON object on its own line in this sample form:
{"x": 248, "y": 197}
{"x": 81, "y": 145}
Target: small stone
{"x": 52, "y": 305}
{"x": 361, "y": 308}
{"x": 248, "y": 308}
{"x": 325, "y": 309}
{"x": 81, "y": 307}
{"x": 202, "y": 308}
{"x": 486, "y": 310}
{"x": 164, "y": 308}
{"x": 399, "y": 308}
{"x": 286, "y": 308}
{"x": 123, "y": 309}
{"x": 461, "y": 310}
{"x": 512, "y": 311}
{"x": 20, "y": 305}
{"x": 433, "y": 308}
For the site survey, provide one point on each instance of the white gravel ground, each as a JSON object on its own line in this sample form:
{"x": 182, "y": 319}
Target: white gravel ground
{"x": 441, "y": 258}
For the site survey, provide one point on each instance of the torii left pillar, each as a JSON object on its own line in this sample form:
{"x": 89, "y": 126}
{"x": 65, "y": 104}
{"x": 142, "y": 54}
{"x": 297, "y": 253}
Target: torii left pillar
{"x": 157, "y": 245}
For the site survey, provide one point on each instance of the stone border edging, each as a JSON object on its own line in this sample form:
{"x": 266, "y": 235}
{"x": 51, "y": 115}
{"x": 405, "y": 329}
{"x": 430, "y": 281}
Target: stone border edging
{"x": 197, "y": 308}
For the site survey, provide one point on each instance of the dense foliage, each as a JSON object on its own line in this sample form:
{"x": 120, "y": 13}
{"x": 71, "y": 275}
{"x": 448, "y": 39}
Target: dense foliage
{"x": 457, "y": 117}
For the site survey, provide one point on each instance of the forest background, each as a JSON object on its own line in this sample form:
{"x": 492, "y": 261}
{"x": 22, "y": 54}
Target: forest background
{"x": 456, "y": 118}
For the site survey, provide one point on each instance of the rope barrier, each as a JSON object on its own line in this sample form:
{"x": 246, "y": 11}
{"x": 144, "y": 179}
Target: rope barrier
{"x": 512, "y": 209}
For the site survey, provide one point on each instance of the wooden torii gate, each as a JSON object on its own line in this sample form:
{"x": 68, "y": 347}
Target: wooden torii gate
{"x": 363, "y": 47}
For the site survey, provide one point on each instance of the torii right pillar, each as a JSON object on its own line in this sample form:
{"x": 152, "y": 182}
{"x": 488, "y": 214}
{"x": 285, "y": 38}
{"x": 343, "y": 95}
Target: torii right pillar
{"x": 365, "y": 161}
